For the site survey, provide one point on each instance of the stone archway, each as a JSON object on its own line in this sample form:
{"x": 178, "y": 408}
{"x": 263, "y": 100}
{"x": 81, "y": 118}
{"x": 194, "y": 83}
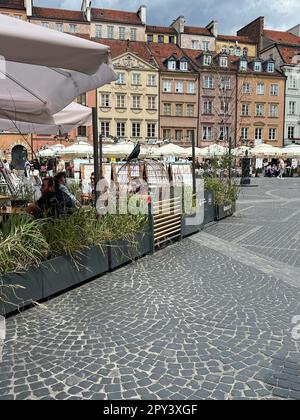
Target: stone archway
{"x": 18, "y": 156}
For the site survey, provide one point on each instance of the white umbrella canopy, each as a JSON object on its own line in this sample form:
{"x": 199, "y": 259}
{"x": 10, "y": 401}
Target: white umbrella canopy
{"x": 46, "y": 153}
{"x": 241, "y": 151}
{"x": 266, "y": 150}
{"x": 45, "y": 70}
{"x": 292, "y": 150}
{"x": 198, "y": 151}
{"x": 121, "y": 150}
{"x": 215, "y": 150}
{"x": 81, "y": 149}
{"x": 171, "y": 150}
{"x": 63, "y": 122}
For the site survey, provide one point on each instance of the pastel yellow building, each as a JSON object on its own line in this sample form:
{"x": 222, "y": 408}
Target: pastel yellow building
{"x": 236, "y": 45}
{"x": 128, "y": 108}
{"x": 161, "y": 35}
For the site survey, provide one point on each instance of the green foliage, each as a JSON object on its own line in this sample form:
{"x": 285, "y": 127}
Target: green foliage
{"x": 225, "y": 192}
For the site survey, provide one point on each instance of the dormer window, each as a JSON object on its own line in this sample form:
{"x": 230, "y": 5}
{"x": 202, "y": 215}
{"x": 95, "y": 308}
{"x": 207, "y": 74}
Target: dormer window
{"x": 245, "y": 52}
{"x": 238, "y": 51}
{"x": 172, "y": 64}
{"x": 257, "y": 66}
{"x": 207, "y": 60}
{"x": 223, "y": 61}
{"x": 183, "y": 65}
{"x": 271, "y": 67}
{"x": 243, "y": 65}
{"x": 224, "y": 49}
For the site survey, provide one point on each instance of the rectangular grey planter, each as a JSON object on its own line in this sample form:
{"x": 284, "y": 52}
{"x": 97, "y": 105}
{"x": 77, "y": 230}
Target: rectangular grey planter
{"x": 32, "y": 290}
{"x": 189, "y": 229}
{"x": 91, "y": 262}
{"x": 224, "y": 210}
{"x": 209, "y": 207}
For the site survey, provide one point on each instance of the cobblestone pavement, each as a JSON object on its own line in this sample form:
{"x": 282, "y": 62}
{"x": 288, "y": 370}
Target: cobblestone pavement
{"x": 207, "y": 318}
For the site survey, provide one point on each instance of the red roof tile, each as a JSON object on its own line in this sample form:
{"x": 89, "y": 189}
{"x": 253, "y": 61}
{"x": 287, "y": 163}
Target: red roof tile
{"x": 195, "y": 30}
{"x": 290, "y": 55}
{"x": 232, "y": 38}
{"x": 196, "y": 54}
{"x": 118, "y": 48}
{"x": 282, "y": 37}
{"x": 58, "y": 14}
{"x": 117, "y": 16}
{"x": 161, "y": 30}
{"x": 13, "y": 4}
{"x": 162, "y": 52}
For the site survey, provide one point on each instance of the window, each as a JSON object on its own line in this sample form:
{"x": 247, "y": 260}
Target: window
{"x": 151, "y": 80}
{"x": 272, "y": 133}
{"x": 171, "y": 39}
{"x": 207, "y": 60}
{"x": 167, "y": 86}
{"x": 59, "y": 27}
{"x": 194, "y": 45}
{"x": 179, "y": 87}
{"x": 260, "y": 89}
{"x": 190, "y": 134}
{"x": 223, "y": 61}
{"x": 205, "y": 45}
{"x": 231, "y": 50}
{"x": 82, "y": 99}
{"x": 136, "y": 79}
{"x": 245, "y": 133}
{"x": 105, "y": 128}
{"x": 178, "y": 135}
{"x": 136, "y": 102}
{"x": 257, "y": 66}
{"x": 274, "y": 90}
{"x": 136, "y": 129}
{"x": 224, "y": 108}
{"x": 179, "y": 110}
{"x": 208, "y": 107}
{"x": 151, "y": 130}
{"x": 191, "y": 87}
{"x": 171, "y": 65}
{"x": 291, "y": 133}
{"x": 81, "y": 131}
{"x": 224, "y": 49}
{"x": 243, "y": 65}
{"x": 207, "y": 133}
{"x": 273, "y": 110}
{"x": 110, "y": 32}
{"x": 246, "y": 88}
{"x": 121, "y": 127}
{"x": 208, "y": 82}
{"x": 225, "y": 83}
{"x": 245, "y": 110}
{"x": 72, "y": 28}
{"x": 166, "y": 134}
{"x": 292, "y": 82}
{"x": 105, "y": 100}
{"x": 160, "y": 39}
{"x": 121, "y": 79}
{"x": 271, "y": 68}
{"x": 223, "y": 133}
{"x": 98, "y": 31}
{"x": 120, "y": 101}
{"x": 150, "y": 38}
{"x": 292, "y": 108}
{"x": 245, "y": 52}
{"x": 133, "y": 33}
{"x": 183, "y": 66}
{"x": 260, "y": 109}
{"x": 190, "y": 110}
{"x": 238, "y": 51}
{"x": 258, "y": 133}
{"x": 122, "y": 33}
{"x": 151, "y": 102}
{"x": 167, "y": 109}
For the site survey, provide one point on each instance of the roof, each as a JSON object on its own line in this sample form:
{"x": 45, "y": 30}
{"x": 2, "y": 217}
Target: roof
{"x": 197, "y": 30}
{"x": 290, "y": 55}
{"x": 118, "y": 48}
{"x": 58, "y": 14}
{"x": 233, "y": 38}
{"x": 116, "y": 16}
{"x": 195, "y": 55}
{"x": 282, "y": 37}
{"x": 162, "y": 52}
{"x": 161, "y": 29}
{"x": 13, "y": 4}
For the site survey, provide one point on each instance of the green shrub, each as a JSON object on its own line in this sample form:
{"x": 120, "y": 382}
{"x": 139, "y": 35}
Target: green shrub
{"x": 225, "y": 191}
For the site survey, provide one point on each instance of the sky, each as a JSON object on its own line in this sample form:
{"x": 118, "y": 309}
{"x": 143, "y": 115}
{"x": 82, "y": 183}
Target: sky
{"x": 231, "y": 14}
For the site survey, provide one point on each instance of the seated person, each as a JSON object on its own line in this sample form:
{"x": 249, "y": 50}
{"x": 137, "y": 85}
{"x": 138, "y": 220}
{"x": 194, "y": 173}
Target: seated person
{"x": 53, "y": 202}
{"x": 62, "y": 183}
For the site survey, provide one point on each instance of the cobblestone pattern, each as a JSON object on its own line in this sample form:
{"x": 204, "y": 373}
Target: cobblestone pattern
{"x": 186, "y": 323}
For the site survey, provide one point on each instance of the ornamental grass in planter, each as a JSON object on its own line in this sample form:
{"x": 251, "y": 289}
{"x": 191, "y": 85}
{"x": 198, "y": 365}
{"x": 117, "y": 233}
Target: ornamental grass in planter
{"x": 225, "y": 195}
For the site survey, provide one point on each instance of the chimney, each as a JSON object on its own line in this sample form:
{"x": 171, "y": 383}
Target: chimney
{"x": 28, "y": 7}
{"x": 295, "y": 30}
{"x": 142, "y": 13}
{"x": 213, "y": 27}
{"x": 179, "y": 24}
{"x": 86, "y": 8}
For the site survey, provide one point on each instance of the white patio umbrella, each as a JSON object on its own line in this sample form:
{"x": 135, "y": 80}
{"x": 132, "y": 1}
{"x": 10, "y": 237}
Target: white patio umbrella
{"x": 63, "y": 122}
{"x": 266, "y": 150}
{"x": 215, "y": 150}
{"x": 171, "y": 150}
{"x": 241, "y": 151}
{"x": 198, "y": 151}
{"x": 81, "y": 149}
{"x": 121, "y": 150}
{"x": 292, "y": 151}
{"x": 45, "y": 70}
